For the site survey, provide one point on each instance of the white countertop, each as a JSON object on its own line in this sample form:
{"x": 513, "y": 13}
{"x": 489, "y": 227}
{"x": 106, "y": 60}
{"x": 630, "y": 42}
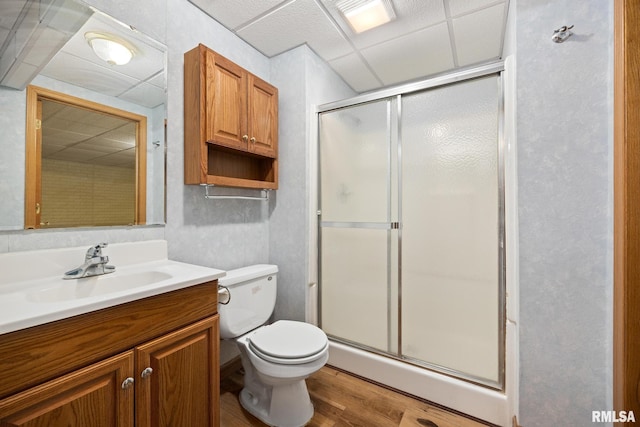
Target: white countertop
{"x": 32, "y": 291}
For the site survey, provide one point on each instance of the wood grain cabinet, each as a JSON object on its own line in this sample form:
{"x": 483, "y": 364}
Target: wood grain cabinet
{"x": 92, "y": 396}
{"x": 170, "y": 380}
{"x": 177, "y": 380}
{"x": 231, "y": 123}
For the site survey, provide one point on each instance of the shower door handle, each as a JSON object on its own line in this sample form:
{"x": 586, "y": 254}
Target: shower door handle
{"x": 367, "y": 225}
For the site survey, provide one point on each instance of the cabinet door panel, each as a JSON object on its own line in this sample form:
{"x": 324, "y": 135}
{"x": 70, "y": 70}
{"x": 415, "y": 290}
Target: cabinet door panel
{"x": 263, "y": 117}
{"x": 183, "y": 389}
{"x": 92, "y": 396}
{"x": 226, "y": 102}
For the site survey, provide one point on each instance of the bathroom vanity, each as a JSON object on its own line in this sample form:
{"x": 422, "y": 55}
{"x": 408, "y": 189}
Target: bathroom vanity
{"x": 149, "y": 361}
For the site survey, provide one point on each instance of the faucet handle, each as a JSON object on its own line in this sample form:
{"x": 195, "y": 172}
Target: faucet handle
{"x": 96, "y": 250}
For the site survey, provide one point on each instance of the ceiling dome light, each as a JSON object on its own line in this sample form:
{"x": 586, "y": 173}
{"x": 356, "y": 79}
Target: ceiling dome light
{"x": 109, "y": 48}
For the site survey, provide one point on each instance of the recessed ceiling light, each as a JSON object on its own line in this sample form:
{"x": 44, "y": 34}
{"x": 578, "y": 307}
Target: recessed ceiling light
{"x": 363, "y": 15}
{"x": 109, "y": 48}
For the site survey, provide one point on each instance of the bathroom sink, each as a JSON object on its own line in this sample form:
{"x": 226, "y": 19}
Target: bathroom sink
{"x": 33, "y": 296}
{"x": 96, "y": 285}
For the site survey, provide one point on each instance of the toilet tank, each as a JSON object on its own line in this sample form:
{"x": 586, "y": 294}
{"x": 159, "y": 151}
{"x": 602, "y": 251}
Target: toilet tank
{"x": 253, "y": 298}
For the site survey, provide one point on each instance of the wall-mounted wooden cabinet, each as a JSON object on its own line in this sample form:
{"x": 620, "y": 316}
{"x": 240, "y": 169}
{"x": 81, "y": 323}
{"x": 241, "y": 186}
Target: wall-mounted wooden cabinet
{"x": 230, "y": 124}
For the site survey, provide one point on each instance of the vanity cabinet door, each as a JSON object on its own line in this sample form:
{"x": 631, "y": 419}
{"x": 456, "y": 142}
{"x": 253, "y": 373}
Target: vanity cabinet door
{"x": 182, "y": 386}
{"x": 91, "y": 396}
{"x": 263, "y": 117}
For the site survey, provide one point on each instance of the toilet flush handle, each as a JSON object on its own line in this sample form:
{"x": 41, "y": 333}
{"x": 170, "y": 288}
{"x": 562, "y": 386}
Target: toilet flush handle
{"x": 225, "y": 293}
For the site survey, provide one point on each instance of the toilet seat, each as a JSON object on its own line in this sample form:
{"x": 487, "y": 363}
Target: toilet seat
{"x": 289, "y": 342}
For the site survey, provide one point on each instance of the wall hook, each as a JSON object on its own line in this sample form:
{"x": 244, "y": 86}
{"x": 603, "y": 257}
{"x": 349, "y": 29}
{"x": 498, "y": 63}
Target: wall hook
{"x": 561, "y": 34}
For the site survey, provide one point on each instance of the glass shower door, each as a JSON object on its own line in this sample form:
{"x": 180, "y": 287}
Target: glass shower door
{"x": 355, "y": 224}
{"x": 411, "y": 228}
{"x": 451, "y": 229}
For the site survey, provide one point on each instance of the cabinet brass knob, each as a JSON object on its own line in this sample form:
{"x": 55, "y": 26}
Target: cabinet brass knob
{"x": 127, "y": 383}
{"x": 253, "y": 139}
{"x": 146, "y": 373}
{"x": 245, "y": 138}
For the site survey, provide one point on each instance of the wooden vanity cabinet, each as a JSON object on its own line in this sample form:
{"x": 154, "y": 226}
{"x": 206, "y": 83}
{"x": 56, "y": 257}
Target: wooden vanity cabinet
{"x": 92, "y": 396}
{"x": 231, "y": 123}
{"x": 114, "y": 367}
{"x": 183, "y": 382}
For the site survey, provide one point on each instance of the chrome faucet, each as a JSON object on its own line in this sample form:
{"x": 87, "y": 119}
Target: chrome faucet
{"x": 95, "y": 264}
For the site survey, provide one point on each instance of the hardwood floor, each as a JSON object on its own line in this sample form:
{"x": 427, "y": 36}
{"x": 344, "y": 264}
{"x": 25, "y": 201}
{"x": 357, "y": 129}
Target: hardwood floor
{"x": 341, "y": 399}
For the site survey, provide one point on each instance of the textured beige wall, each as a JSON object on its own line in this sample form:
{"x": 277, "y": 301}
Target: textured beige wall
{"x": 80, "y": 194}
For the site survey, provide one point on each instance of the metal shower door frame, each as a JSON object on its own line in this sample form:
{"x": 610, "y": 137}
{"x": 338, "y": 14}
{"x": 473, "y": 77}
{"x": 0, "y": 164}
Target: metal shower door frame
{"x": 393, "y": 96}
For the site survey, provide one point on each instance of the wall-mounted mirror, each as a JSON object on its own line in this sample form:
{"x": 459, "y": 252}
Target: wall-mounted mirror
{"x": 61, "y": 48}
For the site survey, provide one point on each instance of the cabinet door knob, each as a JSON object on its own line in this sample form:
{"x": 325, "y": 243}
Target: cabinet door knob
{"x": 146, "y": 373}
{"x": 127, "y": 383}
{"x": 253, "y": 139}
{"x": 245, "y": 138}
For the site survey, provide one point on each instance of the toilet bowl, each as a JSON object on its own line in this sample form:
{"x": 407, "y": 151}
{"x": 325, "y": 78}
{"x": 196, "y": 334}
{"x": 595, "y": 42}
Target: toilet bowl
{"x": 276, "y": 358}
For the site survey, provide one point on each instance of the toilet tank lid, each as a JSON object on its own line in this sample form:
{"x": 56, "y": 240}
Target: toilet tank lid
{"x": 243, "y": 274}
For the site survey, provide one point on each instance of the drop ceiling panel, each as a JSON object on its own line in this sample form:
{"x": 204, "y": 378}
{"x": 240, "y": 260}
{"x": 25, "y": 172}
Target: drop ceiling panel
{"x": 125, "y": 134}
{"x": 76, "y": 131}
{"x": 75, "y": 155}
{"x": 416, "y": 45}
{"x": 145, "y": 94}
{"x": 98, "y": 146}
{"x": 478, "y": 36}
{"x": 9, "y": 12}
{"x": 355, "y": 72}
{"x": 412, "y": 56}
{"x": 49, "y": 149}
{"x": 459, "y": 7}
{"x": 122, "y": 159}
{"x": 411, "y": 15}
{"x": 113, "y": 145}
{"x": 233, "y": 13}
{"x": 146, "y": 62}
{"x": 79, "y": 135}
{"x": 66, "y": 67}
{"x": 299, "y": 22}
{"x": 63, "y": 138}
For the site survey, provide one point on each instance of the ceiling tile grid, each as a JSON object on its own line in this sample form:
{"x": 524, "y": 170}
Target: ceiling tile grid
{"x": 354, "y": 71}
{"x": 301, "y": 21}
{"x": 233, "y": 14}
{"x": 461, "y": 7}
{"x": 411, "y": 15}
{"x": 427, "y": 37}
{"x": 412, "y": 56}
{"x": 140, "y": 81}
{"x": 478, "y": 36}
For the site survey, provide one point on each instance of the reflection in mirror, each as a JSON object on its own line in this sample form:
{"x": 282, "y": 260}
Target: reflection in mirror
{"x": 86, "y": 163}
{"x": 53, "y": 41}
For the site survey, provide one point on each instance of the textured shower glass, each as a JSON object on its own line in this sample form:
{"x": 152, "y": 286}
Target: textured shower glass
{"x": 450, "y": 228}
{"x": 354, "y": 285}
{"x": 410, "y": 228}
{"x": 354, "y": 159}
{"x": 354, "y": 223}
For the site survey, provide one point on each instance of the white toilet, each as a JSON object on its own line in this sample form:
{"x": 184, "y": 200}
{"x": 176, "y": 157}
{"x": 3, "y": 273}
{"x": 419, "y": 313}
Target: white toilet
{"x": 276, "y": 358}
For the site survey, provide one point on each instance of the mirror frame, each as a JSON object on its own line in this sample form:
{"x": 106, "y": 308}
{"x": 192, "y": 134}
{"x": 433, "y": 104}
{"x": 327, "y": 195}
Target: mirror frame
{"x": 33, "y": 150}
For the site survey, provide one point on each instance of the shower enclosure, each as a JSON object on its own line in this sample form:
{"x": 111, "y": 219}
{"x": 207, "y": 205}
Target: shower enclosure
{"x": 411, "y": 225}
